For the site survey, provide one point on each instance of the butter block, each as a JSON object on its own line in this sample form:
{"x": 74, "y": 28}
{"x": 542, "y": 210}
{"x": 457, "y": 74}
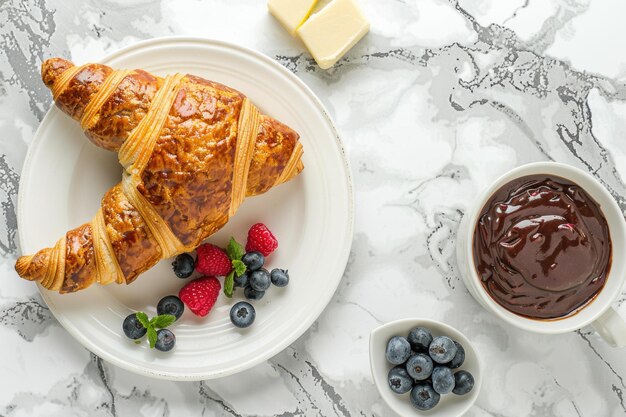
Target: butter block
{"x": 331, "y": 32}
{"x": 291, "y": 13}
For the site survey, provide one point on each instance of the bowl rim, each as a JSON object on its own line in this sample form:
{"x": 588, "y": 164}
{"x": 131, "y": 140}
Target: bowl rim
{"x": 453, "y": 333}
{"x": 567, "y": 323}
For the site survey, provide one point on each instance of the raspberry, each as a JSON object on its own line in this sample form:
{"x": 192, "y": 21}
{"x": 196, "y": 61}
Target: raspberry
{"x": 200, "y": 295}
{"x": 212, "y": 261}
{"x": 261, "y": 239}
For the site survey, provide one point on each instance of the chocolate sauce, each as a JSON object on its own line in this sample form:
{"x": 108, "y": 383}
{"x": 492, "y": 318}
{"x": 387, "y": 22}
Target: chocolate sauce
{"x": 542, "y": 247}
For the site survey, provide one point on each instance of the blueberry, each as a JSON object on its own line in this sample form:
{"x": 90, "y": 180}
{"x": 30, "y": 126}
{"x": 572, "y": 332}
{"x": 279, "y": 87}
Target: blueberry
{"x": 260, "y": 279}
{"x": 183, "y": 265}
{"x": 463, "y": 382}
{"x": 443, "y": 380}
{"x": 242, "y": 280}
{"x": 133, "y": 329}
{"x": 171, "y": 305}
{"x": 459, "y": 358}
{"x": 252, "y": 294}
{"x": 419, "y": 366}
{"x": 399, "y": 380}
{"x": 442, "y": 349}
{"x": 242, "y": 314}
{"x": 424, "y": 397}
{"x": 253, "y": 260}
{"x": 165, "y": 340}
{"x": 420, "y": 338}
{"x": 398, "y": 350}
{"x": 280, "y": 277}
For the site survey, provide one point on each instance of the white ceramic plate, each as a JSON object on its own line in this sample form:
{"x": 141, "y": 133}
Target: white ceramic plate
{"x": 65, "y": 176}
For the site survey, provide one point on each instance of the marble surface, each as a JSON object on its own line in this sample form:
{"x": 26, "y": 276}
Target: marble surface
{"x": 436, "y": 101}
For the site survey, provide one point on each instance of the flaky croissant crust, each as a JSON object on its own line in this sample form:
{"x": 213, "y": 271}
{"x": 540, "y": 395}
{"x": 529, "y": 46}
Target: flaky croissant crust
{"x": 191, "y": 150}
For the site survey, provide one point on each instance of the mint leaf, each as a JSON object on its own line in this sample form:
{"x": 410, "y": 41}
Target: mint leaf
{"x": 152, "y": 337}
{"x": 229, "y": 284}
{"x": 143, "y": 319}
{"x": 234, "y": 250}
{"x": 164, "y": 320}
{"x": 239, "y": 267}
{"x": 137, "y": 342}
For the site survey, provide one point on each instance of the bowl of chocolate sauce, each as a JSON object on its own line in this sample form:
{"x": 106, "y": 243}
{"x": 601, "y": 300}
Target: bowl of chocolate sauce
{"x": 541, "y": 248}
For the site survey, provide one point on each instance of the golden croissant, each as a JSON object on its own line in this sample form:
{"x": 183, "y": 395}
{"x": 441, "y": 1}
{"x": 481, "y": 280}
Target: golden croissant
{"x": 191, "y": 151}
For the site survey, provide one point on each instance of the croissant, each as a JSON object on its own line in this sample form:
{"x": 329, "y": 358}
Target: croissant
{"x": 191, "y": 151}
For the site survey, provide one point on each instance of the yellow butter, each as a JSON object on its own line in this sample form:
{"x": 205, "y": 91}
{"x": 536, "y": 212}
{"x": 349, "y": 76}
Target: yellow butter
{"x": 291, "y": 13}
{"x": 331, "y": 32}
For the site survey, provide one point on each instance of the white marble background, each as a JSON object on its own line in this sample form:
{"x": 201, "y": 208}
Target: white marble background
{"x": 437, "y": 100}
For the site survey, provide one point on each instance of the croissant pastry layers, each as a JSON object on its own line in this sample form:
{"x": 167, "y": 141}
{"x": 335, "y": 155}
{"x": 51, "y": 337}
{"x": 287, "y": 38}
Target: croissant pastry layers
{"x": 191, "y": 151}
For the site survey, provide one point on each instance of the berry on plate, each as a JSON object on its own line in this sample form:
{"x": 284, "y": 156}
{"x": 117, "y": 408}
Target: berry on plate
{"x": 252, "y": 294}
{"x": 213, "y": 260}
{"x": 253, "y": 260}
{"x": 242, "y": 280}
{"x": 260, "y": 279}
{"x": 133, "y": 329}
{"x": 398, "y": 350}
{"x": 171, "y": 304}
{"x": 242, "y": 314}
{"x": 165, "y": 340}
{"x": 183, "y": 265}
{"x": 200, "y": 295}
{"x": 280, "y": 277}
{"x": 261, "y": 239}
{"x": 399, "y": 380}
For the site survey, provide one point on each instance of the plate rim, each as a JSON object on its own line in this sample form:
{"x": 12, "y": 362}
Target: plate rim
{"x": 343, "y": 256}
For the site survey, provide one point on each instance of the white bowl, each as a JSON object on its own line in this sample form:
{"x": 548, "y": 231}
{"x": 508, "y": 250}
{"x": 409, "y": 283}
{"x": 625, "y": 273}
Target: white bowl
{"x": 450, "y": 405}
{"x": 598, "y": 312}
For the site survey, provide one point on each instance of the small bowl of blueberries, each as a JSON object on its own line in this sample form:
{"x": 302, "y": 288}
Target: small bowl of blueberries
{"x": 424, "y": 367}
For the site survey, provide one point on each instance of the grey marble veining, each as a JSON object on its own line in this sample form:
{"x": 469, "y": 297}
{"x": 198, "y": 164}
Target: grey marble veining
{"x": 438, "y": 99}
